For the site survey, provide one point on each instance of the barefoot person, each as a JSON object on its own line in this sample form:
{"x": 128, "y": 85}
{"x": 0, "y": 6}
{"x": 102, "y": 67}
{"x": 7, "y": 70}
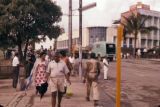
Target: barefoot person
{"x": 58, "y": 72}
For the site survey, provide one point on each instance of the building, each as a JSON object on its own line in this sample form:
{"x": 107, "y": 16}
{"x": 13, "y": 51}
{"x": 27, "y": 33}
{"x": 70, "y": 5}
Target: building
{"x": 144, "y": 40}
{"x": 90, "y": 35}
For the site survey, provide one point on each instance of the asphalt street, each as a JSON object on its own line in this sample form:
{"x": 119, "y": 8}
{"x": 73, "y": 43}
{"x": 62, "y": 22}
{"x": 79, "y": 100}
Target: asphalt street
{"x": 140, "y": 86}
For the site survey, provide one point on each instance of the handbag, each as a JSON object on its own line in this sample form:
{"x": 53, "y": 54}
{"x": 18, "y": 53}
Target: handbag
{"x": 69, "y": 92}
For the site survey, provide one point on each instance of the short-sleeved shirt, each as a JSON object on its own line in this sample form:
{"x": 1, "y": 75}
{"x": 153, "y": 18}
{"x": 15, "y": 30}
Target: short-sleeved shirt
{"x": 71, "y": 59}
{"x": 15, "y": 61}
{"x": 57, "y": 69}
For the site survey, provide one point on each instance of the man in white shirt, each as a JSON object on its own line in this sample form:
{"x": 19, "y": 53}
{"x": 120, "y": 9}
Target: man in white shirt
{"x": 105, "y": 67}
{"x": 58, "y": 72}
{"x": 72, "y": 60}
{"x": 15, "y": 65}
{"x": 139, "y": 53}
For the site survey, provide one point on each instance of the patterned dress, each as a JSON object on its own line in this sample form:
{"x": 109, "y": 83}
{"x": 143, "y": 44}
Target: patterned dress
{"x": 40, "y": 74}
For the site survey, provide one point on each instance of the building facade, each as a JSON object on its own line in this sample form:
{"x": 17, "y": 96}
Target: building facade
{"x": 151, "y": 39}
{"x": 89, "y": 36}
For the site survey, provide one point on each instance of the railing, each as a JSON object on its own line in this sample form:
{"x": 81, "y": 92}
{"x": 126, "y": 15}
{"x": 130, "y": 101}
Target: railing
{"x": 6, "y": 72}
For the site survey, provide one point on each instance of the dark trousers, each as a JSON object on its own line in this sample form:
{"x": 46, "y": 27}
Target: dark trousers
{"x": 15, "y": 76}
{"x": 29, "y": 69}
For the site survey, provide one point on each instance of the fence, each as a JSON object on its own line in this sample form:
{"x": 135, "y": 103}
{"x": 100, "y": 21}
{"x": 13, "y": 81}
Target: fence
{"x": 6, "y": 72}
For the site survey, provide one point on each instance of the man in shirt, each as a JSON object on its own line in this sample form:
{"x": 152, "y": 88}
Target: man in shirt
{"x": 15, "y": 65}
{"x": 58, "y": 72}
{"x": 71, "y": 60}
{"x": 92, "y": 73}
{"x": 105, "y": 67}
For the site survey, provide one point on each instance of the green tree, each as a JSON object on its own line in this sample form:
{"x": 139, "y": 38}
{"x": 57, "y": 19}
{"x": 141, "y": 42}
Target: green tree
{"x": 22, "y": 21}
{"x": 135, "y": 25}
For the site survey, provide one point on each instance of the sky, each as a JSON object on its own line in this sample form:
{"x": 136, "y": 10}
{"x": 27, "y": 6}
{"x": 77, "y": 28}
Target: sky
{"x": 103, "y": 14}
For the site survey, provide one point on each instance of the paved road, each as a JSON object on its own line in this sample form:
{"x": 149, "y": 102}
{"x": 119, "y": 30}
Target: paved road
{"x": 140, "y": 88}
{"x": 140, "y": 83}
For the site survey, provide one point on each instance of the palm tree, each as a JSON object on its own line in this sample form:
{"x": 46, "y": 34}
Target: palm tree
{"x": 135, "y": 25}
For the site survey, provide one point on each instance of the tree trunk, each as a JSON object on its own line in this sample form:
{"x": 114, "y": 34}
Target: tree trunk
{"x": 20, "y": 52}
{"x": 135, "y": 45}
{"x": 25, "y": 50}
{"x": 55, "y": 44}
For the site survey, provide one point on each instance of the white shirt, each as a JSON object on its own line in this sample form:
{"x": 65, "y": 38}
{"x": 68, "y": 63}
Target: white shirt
{"x": 105, "y": 62}
{"x": 15, "y": 61}
{"x": 71, "y": 60}
{"x": 145, "y": 50}
{"x": 57, "y": 69}
{"x": 139, "y": 52}
{"x": 47, "y": 58}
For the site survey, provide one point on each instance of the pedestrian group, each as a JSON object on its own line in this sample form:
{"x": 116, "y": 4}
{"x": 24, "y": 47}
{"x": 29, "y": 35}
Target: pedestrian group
{"x": 54, "y": 70}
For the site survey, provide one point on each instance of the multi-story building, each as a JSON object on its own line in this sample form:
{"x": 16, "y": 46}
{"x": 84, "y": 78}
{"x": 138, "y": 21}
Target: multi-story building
{"x": 151, "y": 39}
{"x": 89, "y": 36}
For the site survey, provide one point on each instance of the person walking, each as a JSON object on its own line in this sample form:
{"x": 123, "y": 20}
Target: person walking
{"x": 76, "y": 65}
{"x": 57, "y": 71}
{"x": 30, "y": 62}
{"x": 92, "y": 73}
{"x": 15, "y": 65}
{"x": 71, "y": 60}
{"x": 39, "y": 71}
{"x": 65, "y": 59}
{"x": 105, "y": 67}
{"x": 138, "y": 53}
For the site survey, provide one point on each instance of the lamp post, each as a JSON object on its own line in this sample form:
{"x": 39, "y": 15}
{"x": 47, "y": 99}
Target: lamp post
{"x": 80, "y": 38}
{"x": 70, "y": 27}
{"x": 80, "y": 30}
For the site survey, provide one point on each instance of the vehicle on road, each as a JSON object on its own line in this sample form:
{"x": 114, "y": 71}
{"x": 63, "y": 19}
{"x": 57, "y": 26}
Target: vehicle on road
{"x": 104, "y": 48}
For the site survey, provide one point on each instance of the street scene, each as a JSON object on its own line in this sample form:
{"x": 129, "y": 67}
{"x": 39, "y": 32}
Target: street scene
{"x": 140, "y": 87}
{"x": 79, "y": 53}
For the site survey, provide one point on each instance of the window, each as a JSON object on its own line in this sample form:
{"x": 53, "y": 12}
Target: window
{"x": 130, "y": 42}
{"x": 143, "y": 42}
{"x": 149, "y": 43}
{"x": 155, "y": 43}
{"x": 155, "y": 32}
{"x": 155, "y": 20}
{"x": 149, "y": 21}
{"x": 114, "y": 39}
{"x": 98, "y": 46}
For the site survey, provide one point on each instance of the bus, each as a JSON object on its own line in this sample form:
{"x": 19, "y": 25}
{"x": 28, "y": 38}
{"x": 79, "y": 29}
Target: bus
{"x": 105, "y": 49}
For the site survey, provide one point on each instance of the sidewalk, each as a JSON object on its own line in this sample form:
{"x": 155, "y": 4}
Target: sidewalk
{"x": 10, "y": 98}
{"x": 77, "y": 100}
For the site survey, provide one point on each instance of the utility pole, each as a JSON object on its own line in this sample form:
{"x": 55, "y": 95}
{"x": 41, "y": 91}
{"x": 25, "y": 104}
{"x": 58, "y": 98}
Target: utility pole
{"x": 80, "y": 37}
{"x": 70, "y": 27}
{"x": 118, "y": 77}
{"x": 80, "y": 31}
{"x": 80, "y": 22}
